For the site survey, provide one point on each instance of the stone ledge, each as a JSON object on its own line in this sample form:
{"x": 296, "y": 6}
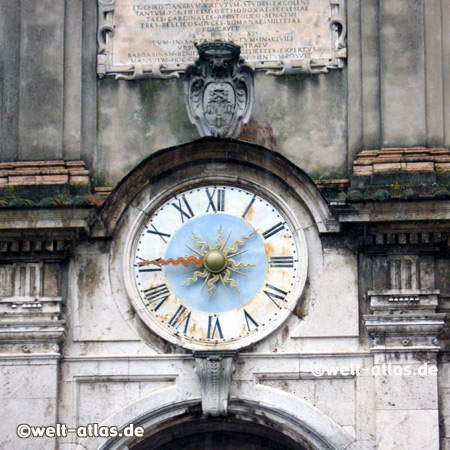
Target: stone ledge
{"x": 416, "y": 159}
{"x": 400, "y": 174}
{"x": 43, "y": 172}
{"x": 45, "y": 183}
{"x": 46, "y": 332}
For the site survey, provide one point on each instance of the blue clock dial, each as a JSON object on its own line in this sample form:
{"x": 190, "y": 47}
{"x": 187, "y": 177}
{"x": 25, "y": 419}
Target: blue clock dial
{"x": 234, "y": 263}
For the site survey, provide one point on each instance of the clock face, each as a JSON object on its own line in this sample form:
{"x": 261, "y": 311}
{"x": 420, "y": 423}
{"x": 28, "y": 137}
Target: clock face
{"x": 217, "y": 267}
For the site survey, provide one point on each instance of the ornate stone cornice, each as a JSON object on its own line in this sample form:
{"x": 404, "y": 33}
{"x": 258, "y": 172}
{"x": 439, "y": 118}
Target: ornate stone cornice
{"x": 404, "y": 321}
{"x": 34, "y": 323}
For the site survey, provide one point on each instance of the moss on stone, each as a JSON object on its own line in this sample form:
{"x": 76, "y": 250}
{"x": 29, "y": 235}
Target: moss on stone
{"x": 101, "y": 179}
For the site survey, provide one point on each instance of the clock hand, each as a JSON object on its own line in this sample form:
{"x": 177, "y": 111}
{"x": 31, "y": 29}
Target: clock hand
{"x": 198, "y": 262}
{"x": 217, "y": 261}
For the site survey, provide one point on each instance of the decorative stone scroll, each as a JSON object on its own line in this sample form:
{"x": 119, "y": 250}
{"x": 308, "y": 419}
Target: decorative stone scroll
{"x": 214, "y": 370}
{"x": 155, "y": 38}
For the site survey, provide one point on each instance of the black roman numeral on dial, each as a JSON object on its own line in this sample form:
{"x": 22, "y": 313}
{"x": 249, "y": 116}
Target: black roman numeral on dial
{"x": 184, "y": 208}
{"x": 214, "y": 327}
{"x": 250, "y": 321}
{"x": 275, "y": 294}
{"x": 281, "y": 261}
{"x": 157, "y": 294}
{"x": 274, "y": 230}
{"x": 244, "y": 214}
{"x": 179, "y": 317}
{"x": 142, "y": 269}
{"x": 216, "y": 200}
{"x": 158, "y": 233}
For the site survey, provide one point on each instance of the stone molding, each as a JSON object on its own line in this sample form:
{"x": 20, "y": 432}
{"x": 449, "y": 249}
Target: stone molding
{"x": 419, "y": 237}
{"x": 42, "y": 248}
{"x": 408, "y": 300}
{"x": 404, "y": 321}
{"x": 396, "y": 211}
{"x": 32, "y": 320}
{"x": 33, "y": 334}
{"x": 33, "y": 323}
{"x": 30, "y": 309}
{"x": 44, "y": 224}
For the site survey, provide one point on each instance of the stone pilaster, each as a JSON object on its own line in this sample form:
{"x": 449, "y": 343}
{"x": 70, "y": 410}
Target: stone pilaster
{"x": 31, "y": 329}
{"x": 404, "y": 327}
{"x": 34, "y": 247}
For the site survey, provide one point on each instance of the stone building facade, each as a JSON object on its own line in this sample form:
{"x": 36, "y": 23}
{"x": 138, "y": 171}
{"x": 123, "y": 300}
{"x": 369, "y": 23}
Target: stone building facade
{"x": 353, "y": 168}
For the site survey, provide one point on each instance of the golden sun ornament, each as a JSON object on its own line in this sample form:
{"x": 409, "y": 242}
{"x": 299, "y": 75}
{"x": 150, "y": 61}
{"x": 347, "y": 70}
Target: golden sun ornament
{"x": 218, "y": 262}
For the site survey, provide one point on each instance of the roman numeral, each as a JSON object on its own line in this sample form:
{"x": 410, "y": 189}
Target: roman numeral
{"x": 249, "y": 319}
{"x": 218, "y": 203}
{"x": 178, "y": 318}
{"x": 142, "y": 269}
{"x": 212, "y": 330}
{"x": 160, "y": 234}
{"x": 156, "y": 294}
{"x": 248, "y": 207}
{"x": 274, "y": 230}
{"x": 281, "y": 261}
{"x": 275, "y": 295}
{"x": 184, "y": 213}
{"x": 145, "y": 268}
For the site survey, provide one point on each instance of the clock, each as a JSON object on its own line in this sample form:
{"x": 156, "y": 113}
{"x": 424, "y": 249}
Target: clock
{"x": 217, "y": 267}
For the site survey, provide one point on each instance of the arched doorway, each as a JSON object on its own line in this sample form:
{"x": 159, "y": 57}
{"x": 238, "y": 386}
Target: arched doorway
{"x": 218, "y": 434}
{"x": 263, "y": 417}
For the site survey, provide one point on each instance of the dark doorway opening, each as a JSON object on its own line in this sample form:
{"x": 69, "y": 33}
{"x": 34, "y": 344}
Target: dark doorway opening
{"x": 218, "y": 434}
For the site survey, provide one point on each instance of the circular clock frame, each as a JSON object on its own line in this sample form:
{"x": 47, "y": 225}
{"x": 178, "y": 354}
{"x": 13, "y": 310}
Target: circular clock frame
{"x": 288, "y": 205}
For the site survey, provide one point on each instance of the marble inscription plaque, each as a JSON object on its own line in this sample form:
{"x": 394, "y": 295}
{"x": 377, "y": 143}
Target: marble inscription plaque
{"x": 143, "y": 38}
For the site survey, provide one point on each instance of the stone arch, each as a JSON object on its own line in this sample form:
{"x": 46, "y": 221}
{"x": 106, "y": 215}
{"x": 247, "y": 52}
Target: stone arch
{"x": 215, "y": 151}
{"x": 258, "y": 407}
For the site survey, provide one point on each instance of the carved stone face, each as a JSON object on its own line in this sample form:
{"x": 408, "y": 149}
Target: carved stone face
{"x": 219, "y": 65}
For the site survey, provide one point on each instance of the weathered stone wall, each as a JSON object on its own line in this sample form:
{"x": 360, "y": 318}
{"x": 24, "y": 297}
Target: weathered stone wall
{"x": 74, "y": 349}
{"x": 393, "y": 92}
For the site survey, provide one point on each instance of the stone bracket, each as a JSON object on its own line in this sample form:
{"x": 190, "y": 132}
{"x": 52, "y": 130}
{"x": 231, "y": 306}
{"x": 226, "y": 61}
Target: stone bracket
{"x": 214, "y": 370}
